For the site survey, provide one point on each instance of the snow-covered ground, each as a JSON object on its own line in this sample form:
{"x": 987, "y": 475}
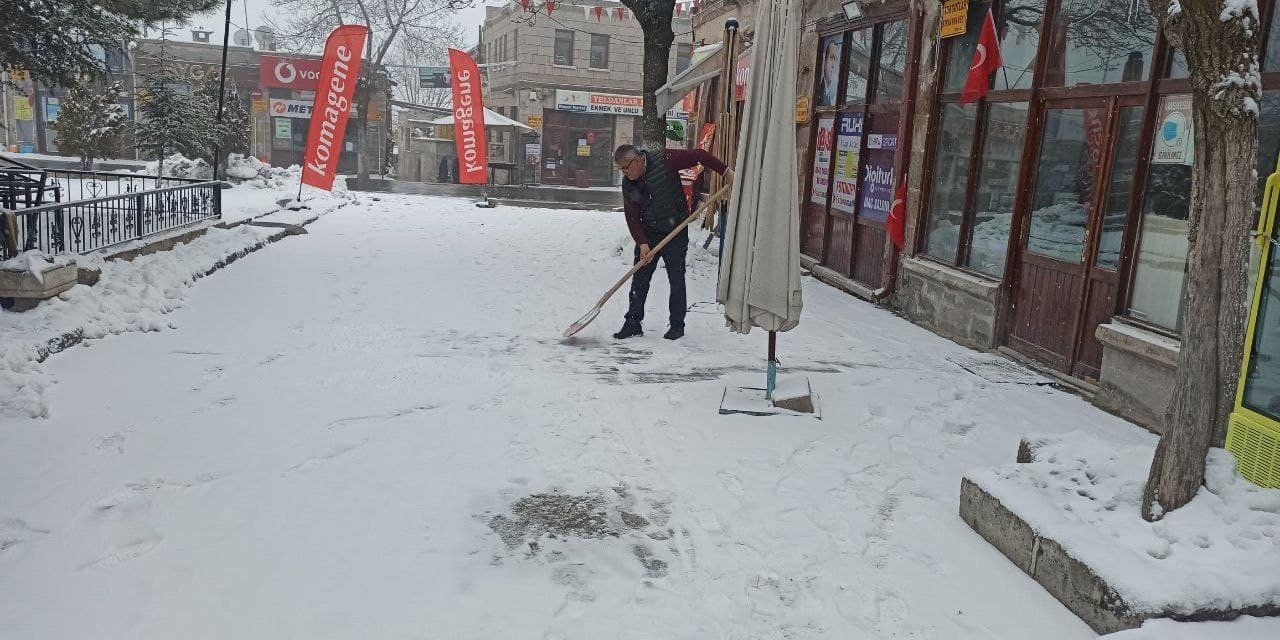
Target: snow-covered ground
{"x": 374, "y": 431}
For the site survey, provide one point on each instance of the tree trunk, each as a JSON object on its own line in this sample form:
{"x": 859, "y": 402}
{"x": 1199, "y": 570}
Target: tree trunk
{"x": 655, "y": 18}
{"x": 1225, "y": 123}
{"x": 363, "y": 97}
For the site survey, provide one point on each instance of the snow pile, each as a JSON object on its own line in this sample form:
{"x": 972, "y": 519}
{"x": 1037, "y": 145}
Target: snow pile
{"x": 1221, "y": 551}
{"x": 253, "y": 172}
{"x": 35, "y": 263}
{"x": 1242, "y": 628}
{"x": 180, "y": 166}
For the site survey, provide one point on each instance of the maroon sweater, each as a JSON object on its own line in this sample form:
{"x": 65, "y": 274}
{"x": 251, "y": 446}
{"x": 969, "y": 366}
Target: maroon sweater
{"x": 677, "y": 160}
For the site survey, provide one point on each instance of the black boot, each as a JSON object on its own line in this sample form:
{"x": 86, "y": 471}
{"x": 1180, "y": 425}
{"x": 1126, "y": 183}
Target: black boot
{"x": 629, "y": 330}
{"x": 674, "y": 333}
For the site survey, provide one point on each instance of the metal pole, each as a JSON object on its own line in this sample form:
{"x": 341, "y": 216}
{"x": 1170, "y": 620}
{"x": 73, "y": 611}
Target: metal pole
{"x": 222, "y": 93}
{"x": 771, "y": 377}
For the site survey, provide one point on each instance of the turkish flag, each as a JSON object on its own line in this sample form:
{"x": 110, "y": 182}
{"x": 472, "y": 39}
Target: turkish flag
{"x": 986, "y": 60}
{"x": 896, "y": 223}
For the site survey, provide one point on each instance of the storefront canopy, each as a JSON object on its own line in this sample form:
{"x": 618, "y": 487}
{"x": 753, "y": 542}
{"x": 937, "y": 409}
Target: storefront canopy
{"x": 491, "y": 119}
{"x": 760, "y": 271}
{"x": 704, "y": 65}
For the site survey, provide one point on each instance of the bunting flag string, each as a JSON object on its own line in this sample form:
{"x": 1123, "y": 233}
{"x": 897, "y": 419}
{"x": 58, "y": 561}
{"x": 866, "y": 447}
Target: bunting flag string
{"x": 551, "y": 6}
{"x": 622, "y": 14}
{"x": 599, "y": 11}
{"x": 524, "y": 4}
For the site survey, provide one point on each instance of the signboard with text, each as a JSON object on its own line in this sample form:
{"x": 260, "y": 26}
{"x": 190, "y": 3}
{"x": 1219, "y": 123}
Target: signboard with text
{"x": 955, "y": 18}
{"x": 288, "y": 73}
{"x": 591, "y": 102}
{"x": 290, "y": 108}
{"x": 848, "y": 145}
{"x": 822, "y": 159}
{"x": 1174, "y": 133}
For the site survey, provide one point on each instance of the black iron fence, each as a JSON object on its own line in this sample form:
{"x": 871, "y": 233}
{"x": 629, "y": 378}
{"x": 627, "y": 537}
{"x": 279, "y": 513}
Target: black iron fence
{"x": 84, "y": 225}
{"x": 88, "y": 185}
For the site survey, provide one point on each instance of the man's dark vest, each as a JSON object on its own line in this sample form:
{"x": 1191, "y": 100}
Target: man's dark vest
{"x": 662, "y": 201}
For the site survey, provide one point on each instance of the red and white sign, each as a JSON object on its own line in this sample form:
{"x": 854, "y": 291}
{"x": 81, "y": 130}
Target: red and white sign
{"x": 589, "y": 102}
{"x": 468, "y": 118}
{"x": 337, "y": 84}
{"x": 288, "y": 73}
{"x": 290, "y": 108}
{"x": 822, "y": 159}
{"x": 741, "y": 75}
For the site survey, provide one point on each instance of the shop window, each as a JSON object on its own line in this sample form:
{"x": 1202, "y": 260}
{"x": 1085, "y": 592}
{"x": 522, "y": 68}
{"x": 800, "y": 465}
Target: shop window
{"x": 961, "y": 48}
{"x": 893, "y": 61}
{"x": 1271, "y": 50}
{"x": 564, "y": 48}
{"x": 1069, "y": 159}
{"x": 599, "y": 51}
{"x": 1101, "y": 42}
{"x": 1019, "y": 27}
{"x": 828, "y": 90}
{"x": 1166, "y": 203}
{"x": 1005, "y": 131}
{"x": 949, "y": 181}
{"x": 1116, "y": 208}
{"x": 684, "y": 55}
{"x": 857, "y": 79}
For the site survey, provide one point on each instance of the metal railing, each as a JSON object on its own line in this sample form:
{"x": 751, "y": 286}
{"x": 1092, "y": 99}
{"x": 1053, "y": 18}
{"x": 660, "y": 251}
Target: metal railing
{"x": 81, "y": 226}
{"x": 88, "y": 185}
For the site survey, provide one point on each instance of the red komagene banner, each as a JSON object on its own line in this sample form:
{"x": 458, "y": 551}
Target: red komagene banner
{"x": 332, "y": 107}
{"x": 468, "y": 118}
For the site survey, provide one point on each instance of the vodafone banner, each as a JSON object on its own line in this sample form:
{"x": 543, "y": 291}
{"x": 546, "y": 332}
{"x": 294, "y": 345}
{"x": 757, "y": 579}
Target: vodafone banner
{"x": 337, "y": 84}
{"x": 468, "y": 119}
{"x": 288, "y": 73}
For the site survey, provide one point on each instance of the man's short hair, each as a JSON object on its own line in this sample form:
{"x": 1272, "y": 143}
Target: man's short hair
{"x": 625, "y": 151}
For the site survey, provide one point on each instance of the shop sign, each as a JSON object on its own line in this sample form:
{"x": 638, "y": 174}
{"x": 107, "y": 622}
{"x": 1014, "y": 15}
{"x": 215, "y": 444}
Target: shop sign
{"x": 607, "y": 103}
{"x": 1174, "y": 142}
{"x": 741, "y": 75}
{"x": 877, "y": 189}
{"x": 802, "y": 110}
{"x": 22, "y": 108}
{"x": 848, "y": 143}
{"x": 534, "y": 121}
{"x": 289, "y": 73}
{"x": 290, "y": 108}
{"x": 284, "y": 128}
{"x": 822, "y": 159}
{"x": 955, "y": 17}
{"x": 434, "y": 77}
{"x": 882, "y": 141}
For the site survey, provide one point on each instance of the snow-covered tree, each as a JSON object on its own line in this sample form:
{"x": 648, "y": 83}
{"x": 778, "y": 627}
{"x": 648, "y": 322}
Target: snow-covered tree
{"x": 52, "y": 39}
{"x": 91, "y": 123}
{"x": 395, "y": 26}
{"x": 173, "y": 120}
{"x": 1220, "y": 39}
{"x": 233, "y": 135}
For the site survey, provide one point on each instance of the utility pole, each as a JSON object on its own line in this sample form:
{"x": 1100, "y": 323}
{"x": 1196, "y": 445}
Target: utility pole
{"x": 222, "y": 93}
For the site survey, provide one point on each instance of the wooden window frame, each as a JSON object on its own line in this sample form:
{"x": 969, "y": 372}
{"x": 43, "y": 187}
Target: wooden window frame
{"x": 555, "y": 44}
{"x": 591, "y": 46}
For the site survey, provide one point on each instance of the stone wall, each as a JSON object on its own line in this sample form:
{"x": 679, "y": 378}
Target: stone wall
{"x": 949, "y": 302}
{"x": 1138, "y": 369}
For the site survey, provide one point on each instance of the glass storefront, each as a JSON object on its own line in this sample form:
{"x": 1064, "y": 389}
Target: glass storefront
{"x": 950, "y": 180}
{"x": 1101, "y": 42}
{"x": 997, "y": 187}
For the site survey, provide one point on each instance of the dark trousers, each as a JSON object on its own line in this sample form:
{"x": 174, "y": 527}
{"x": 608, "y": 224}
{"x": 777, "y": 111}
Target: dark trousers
{"x": 673, "y": 257}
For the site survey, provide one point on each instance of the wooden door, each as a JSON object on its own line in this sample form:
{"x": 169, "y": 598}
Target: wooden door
{"x": 1052, "y": 290}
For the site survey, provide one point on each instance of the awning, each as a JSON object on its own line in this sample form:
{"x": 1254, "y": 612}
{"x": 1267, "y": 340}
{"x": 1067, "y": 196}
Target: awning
{"x": 491, "y": 119}
{"x": 704, "y": 65}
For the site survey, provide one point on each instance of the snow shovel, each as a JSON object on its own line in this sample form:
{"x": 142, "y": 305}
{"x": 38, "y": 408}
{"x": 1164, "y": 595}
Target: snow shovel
{"x": 587, "y": 317}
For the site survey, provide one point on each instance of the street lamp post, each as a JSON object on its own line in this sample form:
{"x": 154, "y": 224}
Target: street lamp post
{"x": 222, "y": 94}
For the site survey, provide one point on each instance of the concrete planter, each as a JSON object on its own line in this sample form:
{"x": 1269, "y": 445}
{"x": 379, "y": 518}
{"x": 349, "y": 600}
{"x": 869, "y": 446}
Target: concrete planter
{"x": 27, "y": 288}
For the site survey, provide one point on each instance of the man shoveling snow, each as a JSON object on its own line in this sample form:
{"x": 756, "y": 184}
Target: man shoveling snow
{"x": 655, "y": 205}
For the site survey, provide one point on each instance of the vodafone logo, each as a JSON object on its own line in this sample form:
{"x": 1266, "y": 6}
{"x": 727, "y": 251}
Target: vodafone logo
{"x": 286, "y": 73}
{"x": 289, "y": 73}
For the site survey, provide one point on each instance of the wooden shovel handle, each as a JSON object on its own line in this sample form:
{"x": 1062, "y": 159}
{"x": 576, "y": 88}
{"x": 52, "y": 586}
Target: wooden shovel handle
{"x": 712, "y": 200}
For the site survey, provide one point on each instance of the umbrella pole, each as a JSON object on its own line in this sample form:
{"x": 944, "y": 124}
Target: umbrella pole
{"x": 771, "y": 375}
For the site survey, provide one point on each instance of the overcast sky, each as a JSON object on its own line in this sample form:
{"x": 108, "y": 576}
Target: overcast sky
{"x": 259, "y": 10}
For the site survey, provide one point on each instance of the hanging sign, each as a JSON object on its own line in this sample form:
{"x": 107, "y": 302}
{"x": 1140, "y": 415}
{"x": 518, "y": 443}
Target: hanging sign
{"x": 337, "y": 83}
{"x": 848, "y": 145}
{"x": 822, "y": 159}
{"x": 1174, "y": 143}
{"x": 802, "y": 109}
{"x": 955, "y": 17}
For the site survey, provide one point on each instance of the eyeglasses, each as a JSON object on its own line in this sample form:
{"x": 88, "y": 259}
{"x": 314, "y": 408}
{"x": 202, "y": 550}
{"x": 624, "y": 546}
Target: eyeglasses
{"x": 626, "y": 165}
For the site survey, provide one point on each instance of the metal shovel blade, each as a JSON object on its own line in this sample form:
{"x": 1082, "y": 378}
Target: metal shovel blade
{"x": 582, "y": 322}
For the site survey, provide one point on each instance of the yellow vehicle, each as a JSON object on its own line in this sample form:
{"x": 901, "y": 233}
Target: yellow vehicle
{"x": 1254, "y": 431}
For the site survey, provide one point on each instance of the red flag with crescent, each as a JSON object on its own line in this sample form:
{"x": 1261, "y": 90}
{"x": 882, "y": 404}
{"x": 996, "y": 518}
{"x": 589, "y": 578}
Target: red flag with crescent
{"x": 896, "y": 223}
{"x": 986, "y": 60}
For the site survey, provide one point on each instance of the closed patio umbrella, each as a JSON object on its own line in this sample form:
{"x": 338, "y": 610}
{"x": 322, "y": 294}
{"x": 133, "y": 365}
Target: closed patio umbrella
{"x": 760, "y": 271}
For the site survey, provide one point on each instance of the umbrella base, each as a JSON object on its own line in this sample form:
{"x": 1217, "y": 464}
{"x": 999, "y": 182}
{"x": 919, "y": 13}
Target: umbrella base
{"x": 792, "y": 397}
